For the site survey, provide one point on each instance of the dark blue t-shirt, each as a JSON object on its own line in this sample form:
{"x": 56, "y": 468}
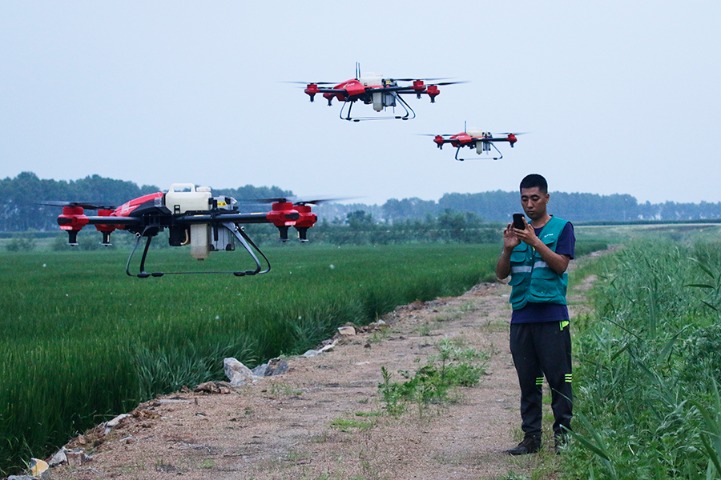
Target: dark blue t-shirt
{"x": 549, "y": 312}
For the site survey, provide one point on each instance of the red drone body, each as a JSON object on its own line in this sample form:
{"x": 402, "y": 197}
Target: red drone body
{"x": 375, "y": 90}
{"x": 483, "y": 142}
{"x": 193, "y": 217}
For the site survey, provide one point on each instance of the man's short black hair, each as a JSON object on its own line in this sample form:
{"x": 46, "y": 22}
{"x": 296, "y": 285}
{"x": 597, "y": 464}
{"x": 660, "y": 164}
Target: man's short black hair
{"x": 535, "y": 180}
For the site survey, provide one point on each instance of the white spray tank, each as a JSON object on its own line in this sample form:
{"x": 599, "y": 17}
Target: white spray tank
{"x": 374, "y": 80}
{"x": 481, "y": 147}
{"x": 186, "y": 197}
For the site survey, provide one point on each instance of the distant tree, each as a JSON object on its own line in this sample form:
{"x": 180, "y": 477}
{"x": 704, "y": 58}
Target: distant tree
{"x": 359, "y": 220}
{"x": 407, "y": 208}
{"x": 249, "y": 193}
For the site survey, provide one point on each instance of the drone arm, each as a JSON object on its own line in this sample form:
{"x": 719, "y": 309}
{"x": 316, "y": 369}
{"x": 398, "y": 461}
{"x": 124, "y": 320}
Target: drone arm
{"x": 282, "y": 215}
{"x": 111, "y": 220}
{"x": 191, "y": 219}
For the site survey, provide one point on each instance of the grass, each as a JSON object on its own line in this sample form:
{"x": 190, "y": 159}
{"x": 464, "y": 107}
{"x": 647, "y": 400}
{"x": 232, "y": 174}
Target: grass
{"x": 352, "y": 425}
{"x": 646, "y": 396}
{"x": 453, "y": 366}
{"x": 81, "y": 342}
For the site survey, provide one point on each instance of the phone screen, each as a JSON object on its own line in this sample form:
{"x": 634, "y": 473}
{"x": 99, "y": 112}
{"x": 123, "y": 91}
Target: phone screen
{"x": 518, "y": 221}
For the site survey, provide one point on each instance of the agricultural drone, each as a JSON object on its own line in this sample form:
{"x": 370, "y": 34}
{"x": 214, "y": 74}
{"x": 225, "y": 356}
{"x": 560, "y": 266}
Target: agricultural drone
{"x": 193, "y": 217}
{"x": 483, "y": 142}
{"x": 375, "y": 90}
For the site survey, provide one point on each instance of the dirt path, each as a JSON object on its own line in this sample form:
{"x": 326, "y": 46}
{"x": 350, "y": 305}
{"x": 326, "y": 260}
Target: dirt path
{"x": 291, "y": 426}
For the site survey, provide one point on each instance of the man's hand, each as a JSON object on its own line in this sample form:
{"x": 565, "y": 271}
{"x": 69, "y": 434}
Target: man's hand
{"x": 510, "y": 237}
{"x": 526, "y": 235}
{"x": 557, "y": 263}
{"x": 510, "y": 241}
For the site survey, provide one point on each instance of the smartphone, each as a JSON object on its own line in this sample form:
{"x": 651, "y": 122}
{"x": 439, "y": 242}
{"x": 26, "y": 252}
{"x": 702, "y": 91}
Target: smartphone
{"x": 518, "y": 221}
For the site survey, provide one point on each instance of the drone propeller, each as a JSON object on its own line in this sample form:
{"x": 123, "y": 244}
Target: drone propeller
{"x": 414, "y": 79}
{"x": 299, "y": 201}
{"x": 267, "y": 200}
{"x": 450, "y": 83}
{"x": 465, "y": 130}
{"x": 318, "y": 201}
{"x": 315, "y": 83}
{"x": 86, "y": 205}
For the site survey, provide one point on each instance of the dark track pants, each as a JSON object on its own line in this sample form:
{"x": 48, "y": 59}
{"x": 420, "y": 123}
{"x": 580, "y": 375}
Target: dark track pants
{"x": 538, "y": 350}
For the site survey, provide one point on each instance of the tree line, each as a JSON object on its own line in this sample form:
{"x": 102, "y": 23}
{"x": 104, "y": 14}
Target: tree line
{"x": 497, "y": 206}
{"x": 21, "y": 207}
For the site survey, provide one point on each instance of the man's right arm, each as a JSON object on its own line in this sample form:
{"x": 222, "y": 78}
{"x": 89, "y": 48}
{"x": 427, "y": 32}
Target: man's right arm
{"x": 503, "y": 267}
{"x": 510, "y": 241}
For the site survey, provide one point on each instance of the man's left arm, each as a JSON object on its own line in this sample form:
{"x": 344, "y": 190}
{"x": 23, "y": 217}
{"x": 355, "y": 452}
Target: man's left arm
{"x": 566, "y": 245}
{"x": 555, "y": 261}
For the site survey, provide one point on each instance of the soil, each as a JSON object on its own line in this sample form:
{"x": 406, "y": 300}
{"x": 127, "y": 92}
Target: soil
{"x": 325, "y": 419}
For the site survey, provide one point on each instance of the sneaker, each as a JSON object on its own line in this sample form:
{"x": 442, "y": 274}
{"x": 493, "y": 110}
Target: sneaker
{"x": 560, "y": 443}
{"x": 530, "y": 444}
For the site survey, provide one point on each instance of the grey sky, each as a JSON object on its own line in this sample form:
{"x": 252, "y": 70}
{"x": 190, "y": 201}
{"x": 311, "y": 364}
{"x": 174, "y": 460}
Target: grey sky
{"x": 617, "y": 97}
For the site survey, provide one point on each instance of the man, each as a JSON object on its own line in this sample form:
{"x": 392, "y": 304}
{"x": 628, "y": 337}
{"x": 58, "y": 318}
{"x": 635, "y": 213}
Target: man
{"x": 537, "y": 257}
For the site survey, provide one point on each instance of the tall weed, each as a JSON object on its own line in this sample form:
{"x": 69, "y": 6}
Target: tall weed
{"x": 642, "y": 402}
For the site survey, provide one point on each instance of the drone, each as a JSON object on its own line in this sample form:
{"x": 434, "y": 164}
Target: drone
{"x": 194, "y": 217}
{"x": 483, "y": 142}
{"x": 375, "y": 90}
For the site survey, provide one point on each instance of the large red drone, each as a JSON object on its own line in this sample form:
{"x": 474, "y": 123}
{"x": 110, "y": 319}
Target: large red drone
{"x": 193, "y": 217}
{"x": 482, "y": 142}
{"x": 373, "y": 89}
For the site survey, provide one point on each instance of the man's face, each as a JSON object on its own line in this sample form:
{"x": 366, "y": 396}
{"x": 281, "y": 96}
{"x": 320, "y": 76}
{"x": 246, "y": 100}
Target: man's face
{"x": 534, "y": 202}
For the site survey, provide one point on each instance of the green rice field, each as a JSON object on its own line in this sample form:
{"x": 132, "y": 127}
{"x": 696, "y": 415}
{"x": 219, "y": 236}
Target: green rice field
{"x": 82, "y": 342}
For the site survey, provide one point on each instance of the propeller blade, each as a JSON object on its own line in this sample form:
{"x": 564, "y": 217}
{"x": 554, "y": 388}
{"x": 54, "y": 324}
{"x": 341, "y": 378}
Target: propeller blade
{"x": 450, "y": 83}
{"x": 86, "y": 205}
{"x": 268, "y": 200}
{"x": 317, "y": 201}
{"x": 308, "y": 83}
{"x": 299, "y": 201}
{"x": 414, "y": 79}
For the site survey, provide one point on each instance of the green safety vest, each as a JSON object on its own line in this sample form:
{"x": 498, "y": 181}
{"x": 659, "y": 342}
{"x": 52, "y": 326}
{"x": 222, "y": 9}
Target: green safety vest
{"x": 531, "y": 278}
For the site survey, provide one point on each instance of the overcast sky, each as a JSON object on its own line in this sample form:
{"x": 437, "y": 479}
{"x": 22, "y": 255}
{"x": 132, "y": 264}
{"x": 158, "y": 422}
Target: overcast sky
{"x": 616, "y": 96}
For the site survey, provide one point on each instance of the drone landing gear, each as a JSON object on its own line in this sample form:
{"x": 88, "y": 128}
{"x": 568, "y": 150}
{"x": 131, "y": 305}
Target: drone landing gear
{"x": 240, "y": 235}
{"x": 409, "y": 112}
{"x": 486, "y": 149}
